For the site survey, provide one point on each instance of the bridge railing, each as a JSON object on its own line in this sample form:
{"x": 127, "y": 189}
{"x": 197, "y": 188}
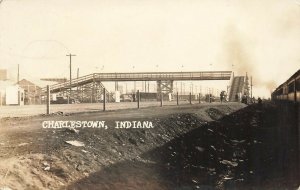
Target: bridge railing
{"x": 160, "y": 75}
{"x": 153, "y": 76}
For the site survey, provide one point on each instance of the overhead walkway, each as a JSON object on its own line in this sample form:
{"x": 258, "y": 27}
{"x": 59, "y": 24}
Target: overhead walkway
{"x": 147, "y": 76}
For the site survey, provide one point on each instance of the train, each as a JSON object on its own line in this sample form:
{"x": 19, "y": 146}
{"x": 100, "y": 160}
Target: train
{"x": 289, "y": 90}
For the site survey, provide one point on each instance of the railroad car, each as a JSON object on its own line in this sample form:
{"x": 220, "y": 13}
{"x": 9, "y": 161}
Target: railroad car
{"x": 289, "y": 90}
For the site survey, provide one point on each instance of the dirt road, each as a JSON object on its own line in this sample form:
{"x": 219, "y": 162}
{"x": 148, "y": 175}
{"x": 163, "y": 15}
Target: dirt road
{"x": 31, "y": 110}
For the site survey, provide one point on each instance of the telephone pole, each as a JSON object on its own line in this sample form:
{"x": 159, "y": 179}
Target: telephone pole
{"x": 70, "y": 55}
{"x": 77, "y": 93}
{"x": 251, "y": 87}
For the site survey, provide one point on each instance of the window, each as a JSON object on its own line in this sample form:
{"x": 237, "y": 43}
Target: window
{"x": 291, "y": 87}
{"x": 298, "y": 84}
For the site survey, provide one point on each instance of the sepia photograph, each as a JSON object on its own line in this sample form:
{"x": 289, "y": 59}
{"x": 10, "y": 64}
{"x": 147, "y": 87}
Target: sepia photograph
{"x": 150, "y": 95}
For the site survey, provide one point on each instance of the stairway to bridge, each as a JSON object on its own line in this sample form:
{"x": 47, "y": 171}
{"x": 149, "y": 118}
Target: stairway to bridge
{"x": 237, "y": 86}
{"x": 87, "y": 89}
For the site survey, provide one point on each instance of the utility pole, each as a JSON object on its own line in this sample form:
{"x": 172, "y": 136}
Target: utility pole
{"x": 181, "y": 88}
{"x": 251, "y": 87}
{"x": 77, "y": 86}
{"x": 48, "y": 100}
{"x": 70, "y": 55}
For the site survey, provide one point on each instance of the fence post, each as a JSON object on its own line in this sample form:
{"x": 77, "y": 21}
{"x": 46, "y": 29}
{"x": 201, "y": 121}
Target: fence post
{"x": 48, "y": 100}
{"x": 199, "y": 99}
{"x": 138, "y": 99}
{"x": 161, "y": 99}
{"x": 104, "y": 98}
{"x": 190, "y": 98}
{"x": 177, "y": 99}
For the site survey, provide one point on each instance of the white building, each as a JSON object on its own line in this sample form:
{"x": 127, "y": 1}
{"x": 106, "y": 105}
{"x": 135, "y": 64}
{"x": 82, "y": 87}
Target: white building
{"x": 11, "y": 94}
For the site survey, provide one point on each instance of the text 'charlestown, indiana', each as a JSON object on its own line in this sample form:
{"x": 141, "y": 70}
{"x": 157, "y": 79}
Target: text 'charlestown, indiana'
{"x": 97, "y": 124}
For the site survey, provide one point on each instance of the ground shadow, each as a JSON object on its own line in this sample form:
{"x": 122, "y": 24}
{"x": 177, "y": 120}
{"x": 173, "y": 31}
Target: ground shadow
{"x": 244, "y": 150}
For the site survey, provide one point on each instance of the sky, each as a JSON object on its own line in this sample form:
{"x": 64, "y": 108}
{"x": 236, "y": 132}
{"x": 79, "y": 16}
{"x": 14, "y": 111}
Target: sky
{"x": 260, "y": 37}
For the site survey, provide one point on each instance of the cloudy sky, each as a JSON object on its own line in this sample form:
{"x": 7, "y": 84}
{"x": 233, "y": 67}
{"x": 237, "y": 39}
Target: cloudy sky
{"x": 261, "y": 37}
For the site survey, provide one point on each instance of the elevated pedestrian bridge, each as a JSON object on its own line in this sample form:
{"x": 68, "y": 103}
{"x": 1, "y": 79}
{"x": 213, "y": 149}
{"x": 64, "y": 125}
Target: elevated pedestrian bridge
{"x": 140, "y": 76}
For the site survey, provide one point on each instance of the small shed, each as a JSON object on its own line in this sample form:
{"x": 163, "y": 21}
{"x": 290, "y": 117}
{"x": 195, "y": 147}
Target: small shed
{"x": 11, "y": 94}
{"x": 14, "y": 95}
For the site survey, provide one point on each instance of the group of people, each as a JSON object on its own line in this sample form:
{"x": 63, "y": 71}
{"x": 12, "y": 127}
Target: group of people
{"x": 247, "y": 100}
{"x": 244, "y": 99}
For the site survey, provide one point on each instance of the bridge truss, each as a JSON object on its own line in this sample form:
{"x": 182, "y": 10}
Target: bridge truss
{"x": 89, "y": 88}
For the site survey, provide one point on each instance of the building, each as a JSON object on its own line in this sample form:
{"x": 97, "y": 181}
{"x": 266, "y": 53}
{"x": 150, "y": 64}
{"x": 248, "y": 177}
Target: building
{"x": 14, "y": 95}
{"x": 11, "y": 94}
{"x": 32, "y": 92}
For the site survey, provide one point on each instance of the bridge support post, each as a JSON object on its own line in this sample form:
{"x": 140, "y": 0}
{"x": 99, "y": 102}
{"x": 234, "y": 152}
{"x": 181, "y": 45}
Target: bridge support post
{"x": 93, "y": 90}
{"x": 164, "y": 87}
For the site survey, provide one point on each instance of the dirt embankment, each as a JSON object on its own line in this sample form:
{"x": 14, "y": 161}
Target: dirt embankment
{"x": 36, "y": 158}
{"x": 244, "y": 150}
{"x": 183, "y": 151}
